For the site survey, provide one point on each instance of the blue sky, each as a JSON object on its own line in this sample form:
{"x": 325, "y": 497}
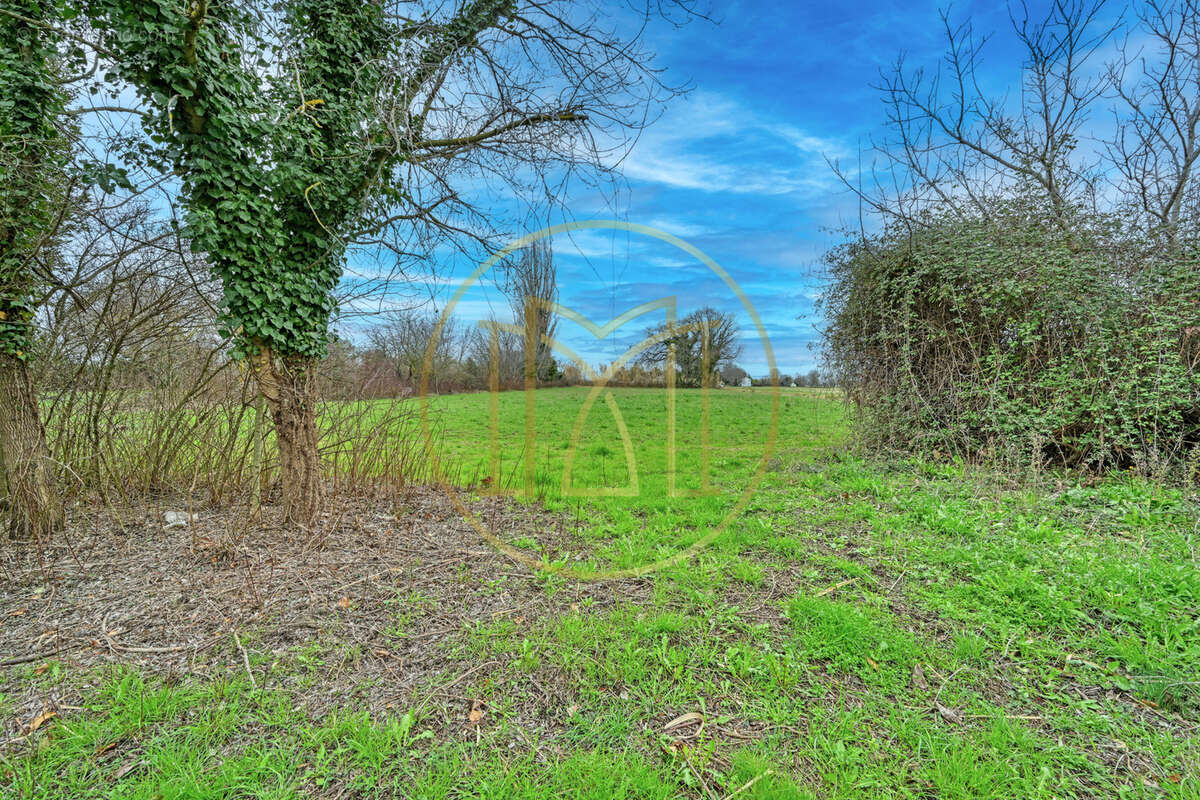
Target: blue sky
{"x": 738, "y": 167}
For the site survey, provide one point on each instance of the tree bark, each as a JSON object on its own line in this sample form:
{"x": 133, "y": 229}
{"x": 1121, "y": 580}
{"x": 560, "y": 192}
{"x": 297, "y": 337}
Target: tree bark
{"x": 34, "y": 508}
{"x": 290, "y": 392}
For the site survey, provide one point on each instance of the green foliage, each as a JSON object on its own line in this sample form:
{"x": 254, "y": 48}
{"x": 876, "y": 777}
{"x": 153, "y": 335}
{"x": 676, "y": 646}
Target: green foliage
{"x": 1015, "y": 340}
{"x": 34, "y": 152}
{"x": 277, "y": 163}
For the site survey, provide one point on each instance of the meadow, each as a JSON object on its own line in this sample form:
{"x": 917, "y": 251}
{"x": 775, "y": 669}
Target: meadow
{"x": 609, "y": 457}
{"x": 859, "y": 628}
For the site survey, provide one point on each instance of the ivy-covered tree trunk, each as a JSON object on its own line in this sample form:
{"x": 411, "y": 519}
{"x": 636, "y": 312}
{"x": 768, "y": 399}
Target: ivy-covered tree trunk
{"x": 34, "y": 152}
{"x": 292, "y": 399}
{"x": 292, "y": 128}
{"x": 276, "y": 168}
{"x": 34, "y": 509}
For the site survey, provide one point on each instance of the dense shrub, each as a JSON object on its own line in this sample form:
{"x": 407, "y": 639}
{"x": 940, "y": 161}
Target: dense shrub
{"x": 1020, "y": 339}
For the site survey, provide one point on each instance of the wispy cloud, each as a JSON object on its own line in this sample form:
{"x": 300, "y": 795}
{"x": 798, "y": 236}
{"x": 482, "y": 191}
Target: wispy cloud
{"x": 712, "y": 143}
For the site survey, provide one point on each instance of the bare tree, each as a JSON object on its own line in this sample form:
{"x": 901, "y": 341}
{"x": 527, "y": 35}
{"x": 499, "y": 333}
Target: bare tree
{"x": 531, "y": 284}
{"x": 954, "y": 147}
{"x": 128, "y": 345}
{"x": 700, "y": 344}
{"x": 405, "y": 338}
{"x": 1157, "y": 143}
{"x": 495, "y": 355}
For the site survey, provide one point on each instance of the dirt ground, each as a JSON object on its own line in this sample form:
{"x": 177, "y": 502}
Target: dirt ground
{"x": 121, "y": 587}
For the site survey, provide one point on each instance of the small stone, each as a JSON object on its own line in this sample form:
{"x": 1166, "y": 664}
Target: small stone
{"x": 178, "y": 519}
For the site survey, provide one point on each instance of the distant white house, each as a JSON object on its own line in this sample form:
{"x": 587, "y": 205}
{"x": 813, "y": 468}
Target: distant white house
{"x": 745, "y": 381}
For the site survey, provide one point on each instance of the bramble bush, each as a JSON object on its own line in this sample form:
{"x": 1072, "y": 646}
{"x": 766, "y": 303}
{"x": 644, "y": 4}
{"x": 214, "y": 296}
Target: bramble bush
{"x": 1021, "y": 340}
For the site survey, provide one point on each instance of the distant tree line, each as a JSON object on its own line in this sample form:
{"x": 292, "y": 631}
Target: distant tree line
{"x": 403, "y": 346}
{"x": 733, "y": 375}
{"x": 811, "y": 380}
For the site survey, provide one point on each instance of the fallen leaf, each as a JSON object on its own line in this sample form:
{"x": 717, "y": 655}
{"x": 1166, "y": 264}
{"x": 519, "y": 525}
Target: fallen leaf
{"x": 948, "y": 714}
{"x": 476, "y": 712}
{"x": 684, "y": 719}
{"x": 874, "y": 664}
{"x": 126, "y": 768}
{"x": 1175, "y": 777}
{"x": 18, "y": 612}
{"x": 835, "y": 587}
{"x": 344, "y": 602}
{"x": 41, "y": 719}
{"x": 572, "y": 709}
{"x": 41, "y": 669}
{"x": 918, "y": 677}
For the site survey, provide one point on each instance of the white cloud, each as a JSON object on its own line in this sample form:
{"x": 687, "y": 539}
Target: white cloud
{"x": 696, "y": 146}
{"x": 679, "y": 227}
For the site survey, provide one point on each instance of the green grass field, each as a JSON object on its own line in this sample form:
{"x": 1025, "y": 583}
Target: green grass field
{"x": 860, "y": 629}
{"x": 608, "y": 458}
